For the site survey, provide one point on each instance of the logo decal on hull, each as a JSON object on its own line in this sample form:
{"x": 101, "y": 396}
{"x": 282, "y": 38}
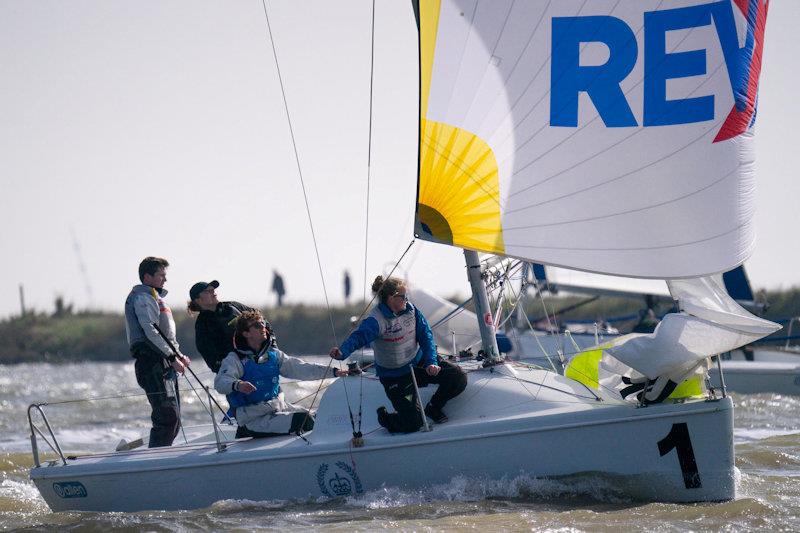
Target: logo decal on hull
{"x": 340, "y": 480}
{"x": 69, "y": 489}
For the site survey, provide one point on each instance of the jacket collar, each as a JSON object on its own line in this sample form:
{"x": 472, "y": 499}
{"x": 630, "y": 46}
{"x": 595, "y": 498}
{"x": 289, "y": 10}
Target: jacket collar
{"x": 249, "y": 352}
{"x": 388, "y": 313}
{"x": 148, "y": 289}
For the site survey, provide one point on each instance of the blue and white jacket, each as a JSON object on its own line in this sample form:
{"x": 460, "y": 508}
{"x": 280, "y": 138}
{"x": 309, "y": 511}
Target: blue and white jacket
{"x": 265, "y": 366}
{"x": 399, "y": 340}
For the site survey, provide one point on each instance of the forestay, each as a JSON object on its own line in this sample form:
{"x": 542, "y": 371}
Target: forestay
{"x": 608, "y": 136}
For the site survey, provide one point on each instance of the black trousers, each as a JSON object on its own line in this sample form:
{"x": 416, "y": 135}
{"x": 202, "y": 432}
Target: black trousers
{"x": 400, "y": 391}
{"x": 160, "y": 383}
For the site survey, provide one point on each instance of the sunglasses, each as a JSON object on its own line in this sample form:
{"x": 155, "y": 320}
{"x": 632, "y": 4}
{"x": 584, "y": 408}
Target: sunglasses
{"x": 402, "y": 296}
{"x": 258, "y": 325}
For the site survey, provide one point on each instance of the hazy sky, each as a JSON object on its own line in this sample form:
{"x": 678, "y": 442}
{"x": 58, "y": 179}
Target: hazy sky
{"x": 158, "y": 128}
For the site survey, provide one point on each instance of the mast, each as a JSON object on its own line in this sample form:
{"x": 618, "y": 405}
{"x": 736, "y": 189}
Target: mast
{"x": 482, "y": 309}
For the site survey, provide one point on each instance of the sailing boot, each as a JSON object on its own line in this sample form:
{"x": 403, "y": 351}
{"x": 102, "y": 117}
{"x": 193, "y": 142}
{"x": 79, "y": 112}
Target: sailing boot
{"x": 435, "y": 413}
{"x": 383, "y": 417}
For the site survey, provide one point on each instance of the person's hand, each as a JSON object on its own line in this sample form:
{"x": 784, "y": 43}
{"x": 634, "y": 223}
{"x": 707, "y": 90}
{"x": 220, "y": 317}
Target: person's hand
{"x": 186, "y": 360}
{"x": 336, "y": 353}
{"x": 245, "y": 387}
{"x": 433, "y": 370}
{"x": 339, "y": 373}
{"x": 178, "y": 365}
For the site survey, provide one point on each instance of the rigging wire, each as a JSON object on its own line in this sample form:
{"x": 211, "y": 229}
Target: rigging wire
{"x": 299, "y": 170}
{"x": 308, "y": 208}
{"x": 369, "y": 175}
{"x": 369, "y": 147}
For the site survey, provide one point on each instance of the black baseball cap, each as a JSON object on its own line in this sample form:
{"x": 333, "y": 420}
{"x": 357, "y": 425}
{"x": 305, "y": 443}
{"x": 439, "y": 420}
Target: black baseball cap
{"x": 200, "y": 286}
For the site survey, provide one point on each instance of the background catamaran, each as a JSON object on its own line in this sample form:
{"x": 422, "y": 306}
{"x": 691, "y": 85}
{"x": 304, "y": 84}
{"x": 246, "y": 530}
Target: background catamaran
{"x": 541, "y": 123}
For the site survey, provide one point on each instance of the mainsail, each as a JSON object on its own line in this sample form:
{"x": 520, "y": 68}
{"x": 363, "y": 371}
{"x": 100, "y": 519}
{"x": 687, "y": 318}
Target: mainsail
{"x": 607, "y": 136}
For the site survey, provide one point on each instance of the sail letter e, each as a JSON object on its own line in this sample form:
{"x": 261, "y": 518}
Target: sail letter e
{"x": 601, "y": 82}
{"x": 661, "y": 66}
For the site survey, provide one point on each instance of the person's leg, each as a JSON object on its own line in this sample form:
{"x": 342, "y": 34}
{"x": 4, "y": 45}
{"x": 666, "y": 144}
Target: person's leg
{"x": 451, "y": 382}
{"x": 164, "y": 415}
{"x": 276, "y": 424}
{"x": 302, "y": 421}
{"x": 401, "y": 393}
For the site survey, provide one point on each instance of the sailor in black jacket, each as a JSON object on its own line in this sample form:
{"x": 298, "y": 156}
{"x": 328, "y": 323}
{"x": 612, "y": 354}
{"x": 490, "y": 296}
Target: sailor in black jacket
{"x": 215, "y": 323}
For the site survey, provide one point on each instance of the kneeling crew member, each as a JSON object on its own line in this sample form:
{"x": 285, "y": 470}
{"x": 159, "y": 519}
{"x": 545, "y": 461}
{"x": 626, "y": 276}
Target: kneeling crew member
{"x": 402, "y": 340}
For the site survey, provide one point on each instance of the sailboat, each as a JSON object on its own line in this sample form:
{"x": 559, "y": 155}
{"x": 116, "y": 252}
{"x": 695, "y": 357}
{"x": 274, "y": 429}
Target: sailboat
{"x": 541, "y": 123}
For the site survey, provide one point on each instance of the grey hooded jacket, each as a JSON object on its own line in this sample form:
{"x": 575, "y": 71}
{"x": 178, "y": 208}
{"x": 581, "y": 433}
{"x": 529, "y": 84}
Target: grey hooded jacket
{"x": 143, "y": 307}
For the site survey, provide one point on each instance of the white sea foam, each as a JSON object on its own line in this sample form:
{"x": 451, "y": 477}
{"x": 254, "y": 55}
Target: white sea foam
{"x": 467, "y": 489}
{"x": 742, "y": 435}
{"x": 20, "y": 491}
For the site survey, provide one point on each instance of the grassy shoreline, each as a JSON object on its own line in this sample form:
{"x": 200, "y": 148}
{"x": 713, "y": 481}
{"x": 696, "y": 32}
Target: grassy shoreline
{"x": 301, "y": 329}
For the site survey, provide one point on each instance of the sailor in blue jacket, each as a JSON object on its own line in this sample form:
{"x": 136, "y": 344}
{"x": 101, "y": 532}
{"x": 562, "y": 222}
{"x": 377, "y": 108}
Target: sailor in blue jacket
{"x": 250, "y": 377}
{"x": 402, "y": 341}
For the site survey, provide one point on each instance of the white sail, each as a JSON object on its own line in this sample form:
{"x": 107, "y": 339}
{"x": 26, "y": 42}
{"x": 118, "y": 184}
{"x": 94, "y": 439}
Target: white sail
{"x": 607, "y": 136}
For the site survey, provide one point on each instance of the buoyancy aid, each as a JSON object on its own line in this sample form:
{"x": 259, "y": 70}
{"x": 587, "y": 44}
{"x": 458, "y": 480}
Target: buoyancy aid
{"x": 397, "y": 344}
{"x": 264, "y": 375}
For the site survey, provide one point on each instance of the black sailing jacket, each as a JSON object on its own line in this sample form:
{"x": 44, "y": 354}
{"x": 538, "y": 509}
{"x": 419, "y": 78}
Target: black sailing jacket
{"x": 213, "y": 332}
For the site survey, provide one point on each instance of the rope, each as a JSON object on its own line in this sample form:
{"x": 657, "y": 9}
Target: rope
{"x": 201, "y": 400}
{"x": 369, "y": 304}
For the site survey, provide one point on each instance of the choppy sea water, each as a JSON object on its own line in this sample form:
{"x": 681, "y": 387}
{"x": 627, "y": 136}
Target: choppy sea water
{"x": 767, "y": 442}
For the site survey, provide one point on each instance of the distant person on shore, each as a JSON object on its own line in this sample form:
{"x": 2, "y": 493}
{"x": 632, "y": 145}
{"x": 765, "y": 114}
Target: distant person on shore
{"x": 155, "y": 365}
{"x": 215, "y": 322}
{"x": 278, "y": 287}
{"x": 403, "y": 343}
{"x": 250, "y": 377}
{"x": 346, "y": 287}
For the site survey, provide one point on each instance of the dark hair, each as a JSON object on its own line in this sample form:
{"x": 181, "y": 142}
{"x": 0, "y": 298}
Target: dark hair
{"x": 192, "y": 308}
{"x": 150, "y": 265}
{"x": 387, "y": 287}
{"x": 244, "y": 322}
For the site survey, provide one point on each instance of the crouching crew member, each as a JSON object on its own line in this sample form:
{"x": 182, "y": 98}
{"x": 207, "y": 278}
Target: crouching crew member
{"x": 250, "y": 377}
{"x": 402, "y": 341}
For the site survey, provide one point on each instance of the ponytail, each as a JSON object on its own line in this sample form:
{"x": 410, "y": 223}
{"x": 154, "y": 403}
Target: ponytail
{"x": 192, "y": 308}
{"x": 387, "y": 287}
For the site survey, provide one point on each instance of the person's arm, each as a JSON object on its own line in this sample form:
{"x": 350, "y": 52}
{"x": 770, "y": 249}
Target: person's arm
{"x": 425, "y": 340}
{"x": 230, "y": 373}
{"x": 296, "y": 368}
{"x": 367, "y": 331}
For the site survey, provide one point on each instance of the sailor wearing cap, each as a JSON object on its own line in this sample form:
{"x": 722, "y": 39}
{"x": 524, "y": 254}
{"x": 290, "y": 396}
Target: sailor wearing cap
{"x": 215, "y": 323}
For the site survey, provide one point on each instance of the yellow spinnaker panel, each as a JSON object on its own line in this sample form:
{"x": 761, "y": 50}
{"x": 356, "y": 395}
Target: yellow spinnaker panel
{"x": 458, "y": 201}
{"x": 458, "y": 193}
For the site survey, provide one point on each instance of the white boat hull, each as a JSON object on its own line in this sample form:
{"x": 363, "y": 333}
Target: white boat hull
{"x": 559, "y": 437}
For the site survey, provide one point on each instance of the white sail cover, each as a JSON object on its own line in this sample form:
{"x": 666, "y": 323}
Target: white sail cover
{"x": 612, "y": 136}
{"x": 710, "y": 323}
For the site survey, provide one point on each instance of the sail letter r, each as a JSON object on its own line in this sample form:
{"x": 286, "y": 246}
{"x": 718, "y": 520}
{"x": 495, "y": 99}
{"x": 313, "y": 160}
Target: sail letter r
{"x": 601, "y": 83}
